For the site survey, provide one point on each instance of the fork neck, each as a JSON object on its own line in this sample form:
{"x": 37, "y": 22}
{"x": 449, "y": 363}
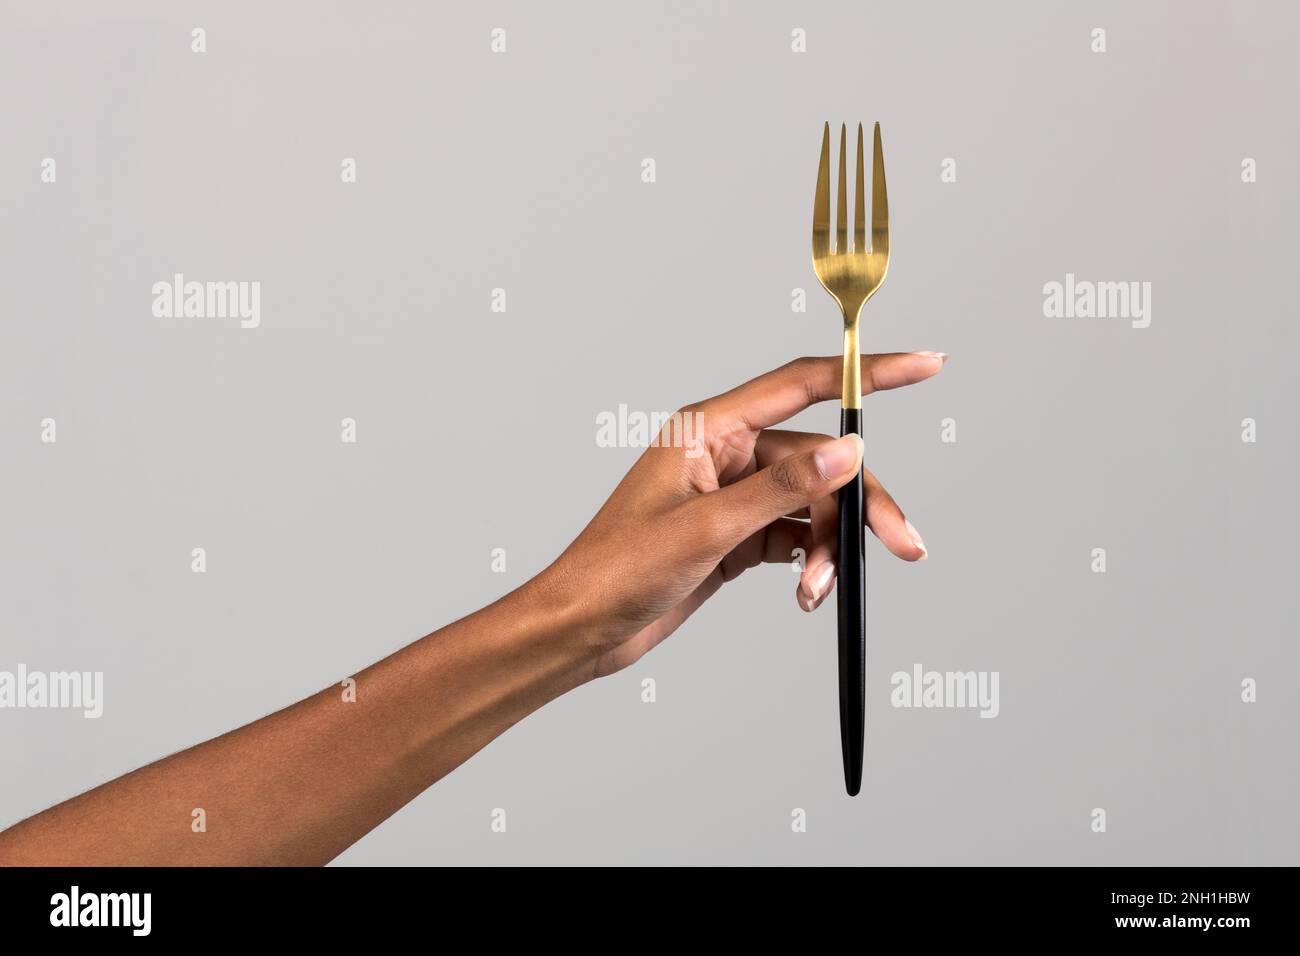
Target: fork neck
{"x": 852, "y": 392}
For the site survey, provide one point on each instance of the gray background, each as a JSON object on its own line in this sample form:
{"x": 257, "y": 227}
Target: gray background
{"x": 522, "y": 171}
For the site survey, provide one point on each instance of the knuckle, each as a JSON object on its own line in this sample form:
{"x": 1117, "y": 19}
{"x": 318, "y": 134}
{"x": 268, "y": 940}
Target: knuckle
{"x": 694, "y": 418}
{"x": 809, "y": 370}
{"x": 691, "y": 423}
{"x": 803, "y": 364}
{"x": 787, "y": 478}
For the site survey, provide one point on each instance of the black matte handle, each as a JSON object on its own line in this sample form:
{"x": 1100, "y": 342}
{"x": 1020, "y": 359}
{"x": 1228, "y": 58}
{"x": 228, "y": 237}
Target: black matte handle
{"x": 851, "y": 597}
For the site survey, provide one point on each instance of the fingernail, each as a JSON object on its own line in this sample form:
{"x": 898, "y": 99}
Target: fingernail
{"x": 838, "y": 457}
{"x": 916, "y": 540}
{"x": 941, "y": 356}
{"x": 822, "y": 578}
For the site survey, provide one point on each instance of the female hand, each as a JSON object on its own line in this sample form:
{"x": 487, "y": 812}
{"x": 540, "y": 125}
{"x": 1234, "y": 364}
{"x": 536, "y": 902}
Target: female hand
{"x": 686, "y": 518}
{"x": 692, "y": 515}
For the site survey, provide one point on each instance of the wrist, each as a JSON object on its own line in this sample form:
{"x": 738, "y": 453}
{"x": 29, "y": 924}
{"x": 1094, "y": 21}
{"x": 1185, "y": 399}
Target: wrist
{"x": 550, "y": 617}
{"x": 587, "y": 604}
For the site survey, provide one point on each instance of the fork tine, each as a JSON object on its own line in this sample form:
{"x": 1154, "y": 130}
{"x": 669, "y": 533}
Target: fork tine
{"x": 879, "y": 201}
{"x": 842, "y": 203}
{"x": 859, "y": 205}
{"x": 822, "y": 199}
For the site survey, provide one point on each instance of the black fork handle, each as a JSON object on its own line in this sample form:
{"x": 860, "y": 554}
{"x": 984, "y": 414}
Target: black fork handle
{"x": 851, "y": 598}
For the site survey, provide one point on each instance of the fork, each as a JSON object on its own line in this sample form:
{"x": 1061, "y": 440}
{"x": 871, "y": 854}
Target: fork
{"x": 851, "y": 276}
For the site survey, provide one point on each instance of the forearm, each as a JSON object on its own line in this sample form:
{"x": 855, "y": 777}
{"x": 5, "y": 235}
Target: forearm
{"x": 303, "y": 784}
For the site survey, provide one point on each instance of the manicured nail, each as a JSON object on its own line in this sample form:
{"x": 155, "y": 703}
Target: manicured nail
{"x": 822, "y": 578}
{"x": 838, "y": 457}
{"x": 941, "y": 356}
{"x": 801, "y": 595}
{"x": 916, "y": 540}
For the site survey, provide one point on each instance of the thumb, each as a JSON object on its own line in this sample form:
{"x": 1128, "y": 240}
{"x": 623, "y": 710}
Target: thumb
{"x": 785, "y": 486}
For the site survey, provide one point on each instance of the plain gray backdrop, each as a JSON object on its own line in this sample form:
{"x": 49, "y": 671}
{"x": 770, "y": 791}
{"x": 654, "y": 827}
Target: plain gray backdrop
{"x": 476, "y": 430}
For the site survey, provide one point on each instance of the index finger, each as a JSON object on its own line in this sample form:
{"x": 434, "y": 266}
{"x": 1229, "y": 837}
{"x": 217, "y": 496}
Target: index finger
{"x": 772, "y": 398}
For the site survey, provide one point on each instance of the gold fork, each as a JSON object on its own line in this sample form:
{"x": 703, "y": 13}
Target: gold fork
{"x": 851, "y": 276}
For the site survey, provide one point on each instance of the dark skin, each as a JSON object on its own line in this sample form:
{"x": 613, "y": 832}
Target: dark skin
{"x": 273, "y": 792}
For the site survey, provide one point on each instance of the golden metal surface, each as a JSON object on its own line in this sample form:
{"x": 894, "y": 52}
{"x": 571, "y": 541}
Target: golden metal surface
{"x": 851, "y": 276}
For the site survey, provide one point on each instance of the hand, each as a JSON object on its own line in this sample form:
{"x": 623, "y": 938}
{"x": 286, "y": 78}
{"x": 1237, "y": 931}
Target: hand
{"x": 683, "y": 520}
{"x": 688, "y": 517}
